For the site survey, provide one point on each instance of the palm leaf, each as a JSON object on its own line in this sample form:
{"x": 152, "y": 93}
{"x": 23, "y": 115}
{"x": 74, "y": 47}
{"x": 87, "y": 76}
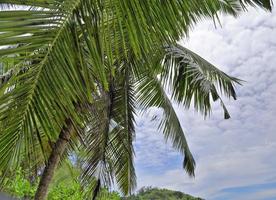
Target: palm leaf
{"x": 194, "y": 80}
{"x": 109, "y": 151}
{"x": 121, "y": 150}
{"x": 151, "y": 94}
{"x": 46, "y": 92}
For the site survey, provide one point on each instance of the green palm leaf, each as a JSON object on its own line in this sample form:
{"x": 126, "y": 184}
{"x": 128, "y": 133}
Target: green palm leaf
{"x": 47, "y": 81}
{"x": 121, "y": 150}
{"x": 194, "y": 80}
{"x": 109, "y": 152}
{"x": 151, "y": 94}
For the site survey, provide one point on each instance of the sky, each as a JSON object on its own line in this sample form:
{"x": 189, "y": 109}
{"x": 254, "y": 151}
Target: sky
{"x": 235, "y": 157}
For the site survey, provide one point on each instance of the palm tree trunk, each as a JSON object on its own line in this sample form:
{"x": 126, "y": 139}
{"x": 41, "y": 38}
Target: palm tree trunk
{"x": 53, "y": 161}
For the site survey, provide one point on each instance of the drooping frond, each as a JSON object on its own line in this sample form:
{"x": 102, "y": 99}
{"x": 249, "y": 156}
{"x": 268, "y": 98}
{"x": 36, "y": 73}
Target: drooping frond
{"x": 193, "y": 80}
{"x": 150, "y": 93}
{"x": 96, "y": 171}
{"x": 120, "y": 149}
{"x": 109, "y": 153}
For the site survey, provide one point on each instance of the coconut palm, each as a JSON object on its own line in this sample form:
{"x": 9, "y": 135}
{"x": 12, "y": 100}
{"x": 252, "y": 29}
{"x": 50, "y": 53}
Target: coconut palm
{"x": 80, "y": 71}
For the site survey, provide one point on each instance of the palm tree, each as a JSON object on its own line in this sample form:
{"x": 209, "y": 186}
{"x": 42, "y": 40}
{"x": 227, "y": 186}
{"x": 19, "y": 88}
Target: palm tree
{"x": 81, "y": 69}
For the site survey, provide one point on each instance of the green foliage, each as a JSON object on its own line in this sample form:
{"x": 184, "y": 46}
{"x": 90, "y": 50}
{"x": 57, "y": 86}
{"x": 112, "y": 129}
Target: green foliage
{"x": 106, "y": 195}
{"x": 19, "y": 186}
{"x": 63, "y": 187}
{"x": 65, "y": 190}
{"x": 149, "y": 193}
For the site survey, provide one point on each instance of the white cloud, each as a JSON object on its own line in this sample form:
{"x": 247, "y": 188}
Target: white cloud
{"x": 229, "y": 153}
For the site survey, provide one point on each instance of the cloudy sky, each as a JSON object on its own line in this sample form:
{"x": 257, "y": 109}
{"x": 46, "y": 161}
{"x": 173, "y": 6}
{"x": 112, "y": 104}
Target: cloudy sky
{"x": 236, "y": 157}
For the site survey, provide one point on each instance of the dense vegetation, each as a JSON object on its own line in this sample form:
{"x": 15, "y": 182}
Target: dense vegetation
{"x": 64, "y": 187}
{"x": 149, "y": 193}
{"x": 67, "y": 188}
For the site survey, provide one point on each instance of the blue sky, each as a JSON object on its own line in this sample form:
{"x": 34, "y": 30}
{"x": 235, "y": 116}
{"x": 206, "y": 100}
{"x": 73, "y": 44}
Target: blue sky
{"x": 236, "y": 157}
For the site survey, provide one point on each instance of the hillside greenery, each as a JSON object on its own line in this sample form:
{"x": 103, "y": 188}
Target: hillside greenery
{"x": 148, "y": 193}
{"x": 66, "y": 187}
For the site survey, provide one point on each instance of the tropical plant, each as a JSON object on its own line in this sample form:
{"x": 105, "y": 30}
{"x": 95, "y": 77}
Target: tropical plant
{"x": 81, "y": 68}
{"x": 65, "y": 185}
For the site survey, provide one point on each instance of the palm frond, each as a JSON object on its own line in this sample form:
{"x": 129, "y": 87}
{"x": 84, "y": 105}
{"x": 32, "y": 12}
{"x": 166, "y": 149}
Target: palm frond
{"x": 120, "y": 147}
{"x": 109, "y": 152}
{"x": 46, "y": 44}
{"x": 151, "y": 94}
{"x": 96, "y": 169}
{"x": 194, "y": 80}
